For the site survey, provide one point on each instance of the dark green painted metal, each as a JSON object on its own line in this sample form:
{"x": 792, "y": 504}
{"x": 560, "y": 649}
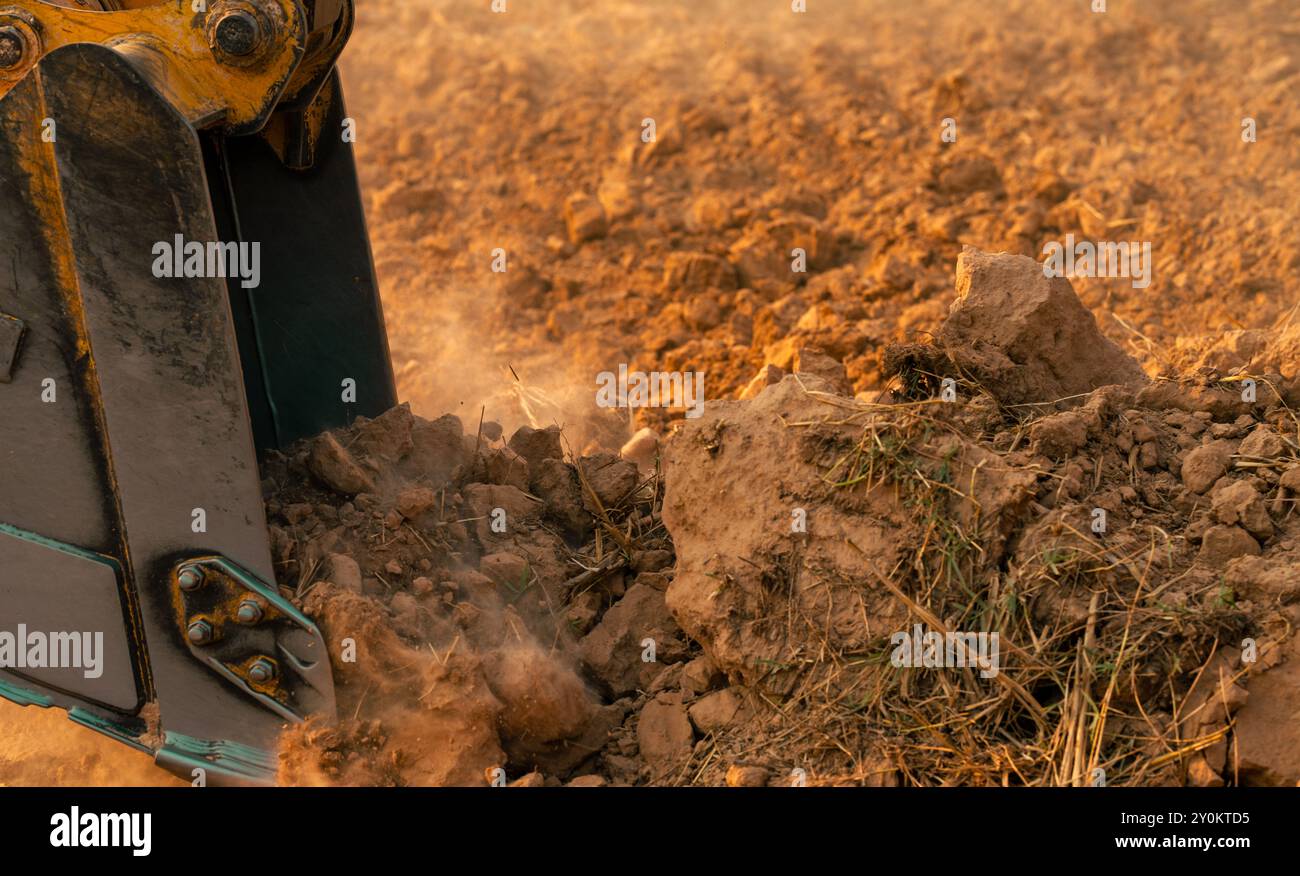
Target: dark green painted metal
{"x": 316, "y": 319}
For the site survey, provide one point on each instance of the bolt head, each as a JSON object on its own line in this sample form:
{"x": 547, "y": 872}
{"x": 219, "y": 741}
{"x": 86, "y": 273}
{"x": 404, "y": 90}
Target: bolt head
{"x": 199, "y": 632}
{"x": 249, "y": 612}
{"x": 237, "y": 33}
{"x": 190, "y": 578}
{"x": 12, "y": 47}
{"x": 262, "y": 671}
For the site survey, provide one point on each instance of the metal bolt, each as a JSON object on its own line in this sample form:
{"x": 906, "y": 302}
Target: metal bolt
{"x": 190, "y": 578}
{"x": 200, "y": 632}
{"x": 237, "y": 33}
{"x": 249, "y": 612}
{"x": 12, "y": 47}
{"x": 262, "y": 670}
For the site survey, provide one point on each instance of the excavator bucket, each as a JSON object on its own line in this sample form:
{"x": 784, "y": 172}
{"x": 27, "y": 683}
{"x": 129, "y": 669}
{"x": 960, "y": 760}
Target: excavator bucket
{"x": 185, "y": 282}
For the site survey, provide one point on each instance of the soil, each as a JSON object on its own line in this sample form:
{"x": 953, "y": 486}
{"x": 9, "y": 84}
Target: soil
{"x": 715, "y": 605}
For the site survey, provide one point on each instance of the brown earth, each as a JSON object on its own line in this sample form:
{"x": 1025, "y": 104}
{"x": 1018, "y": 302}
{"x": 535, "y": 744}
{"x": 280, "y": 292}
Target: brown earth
{"x": 808, "y": 528}
{"x": 523, "y": 650}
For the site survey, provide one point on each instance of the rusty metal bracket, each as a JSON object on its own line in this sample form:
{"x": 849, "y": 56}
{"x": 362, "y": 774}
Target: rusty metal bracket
{"x": 253, "y": 637}
{"x": 227, "y": 66}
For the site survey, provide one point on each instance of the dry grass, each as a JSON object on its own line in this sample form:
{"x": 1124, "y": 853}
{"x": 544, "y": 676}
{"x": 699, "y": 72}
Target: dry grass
{"x": 1081, "y": 698}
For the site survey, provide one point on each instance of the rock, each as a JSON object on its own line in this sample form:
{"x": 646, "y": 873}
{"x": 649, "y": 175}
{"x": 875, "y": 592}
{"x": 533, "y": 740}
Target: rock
{"x": 1027, "y": 338}
{"x": 702, "y": 312}
{"x": 642, "y": 449}
{"x": 530, "y": 780}
{"x": 503, "y": 466}
{"x": 892, "y": 271}
{"x": 506, "y": 569}
{"x": 525, "y": 287}
{"x": 818, "y": 318}
{"x": 1201, "y": 775}
{"x": 1239, "y": 502}
{"x": 1149, "y": 456}
{"x": 414, "y": 501}
{"x": 613, "y": 650}
{"x": 1205, "y": 465}
{"x": 747, "y": 777}
{"x": 545, "y": 700}
{"x": 668, "y": 141}
{"x": 668, "y": 679}
{"x": 587, "y": 782}
{"x": 828, "y": 372}
{"x": 482, "y": 500}
{"x": 1223, "y": 543}
{"x": 769, "y": 375}
{"x": 335, "y": 468}
{"x": 1060, "y": 435}
{"x": 616, "y": 196}
{"x": 437, "y": 449}
{"x": 387, "y": 438}
{"x": 1263, "y": 442}
{"x": 585, "y": 218}
{"x": 651, "y": 561}
{"x": 564, "y": 756}
{"x": 1268, "y": 726}
{"x": 583, "y": 610}
{"x": 710, "y": 211}
{"x": 298, "y": 512}
{"x": 966, "y": 174}
{"x": 701, "y": 675}
{"x": 345, "y": 572}
{"x": 536, "y": 446}
{"x": 556, "y": 484}
{"x": 610, "y": 478}
{"x": 765, "y": 253}
{"x": 715, "y": 712}
{"x": 691, "y": 273}
{"x": 664, "y": 732}
{"x": 1290, "y": 479}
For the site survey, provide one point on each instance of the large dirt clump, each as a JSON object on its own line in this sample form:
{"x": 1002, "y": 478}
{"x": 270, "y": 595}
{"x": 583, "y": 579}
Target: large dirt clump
{"x": 1132, "y": 554}
{"x": 1026, "y": 337}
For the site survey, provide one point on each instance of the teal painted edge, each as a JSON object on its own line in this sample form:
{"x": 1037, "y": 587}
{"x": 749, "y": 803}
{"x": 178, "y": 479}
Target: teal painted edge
{"x": 62, "y": 547}
{"x": 271, "y": 703}
{"x": 233, "y": 760}
{"x": 24, "y": 697}
{"x": 267, "y": 591}
{"x": 20, "y": 695}
{"x": 111, "y": 729}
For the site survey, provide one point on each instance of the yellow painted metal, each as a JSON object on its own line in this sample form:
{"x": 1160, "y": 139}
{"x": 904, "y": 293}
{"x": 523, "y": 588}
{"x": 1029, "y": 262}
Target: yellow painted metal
{"x": 168, "y": 43}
